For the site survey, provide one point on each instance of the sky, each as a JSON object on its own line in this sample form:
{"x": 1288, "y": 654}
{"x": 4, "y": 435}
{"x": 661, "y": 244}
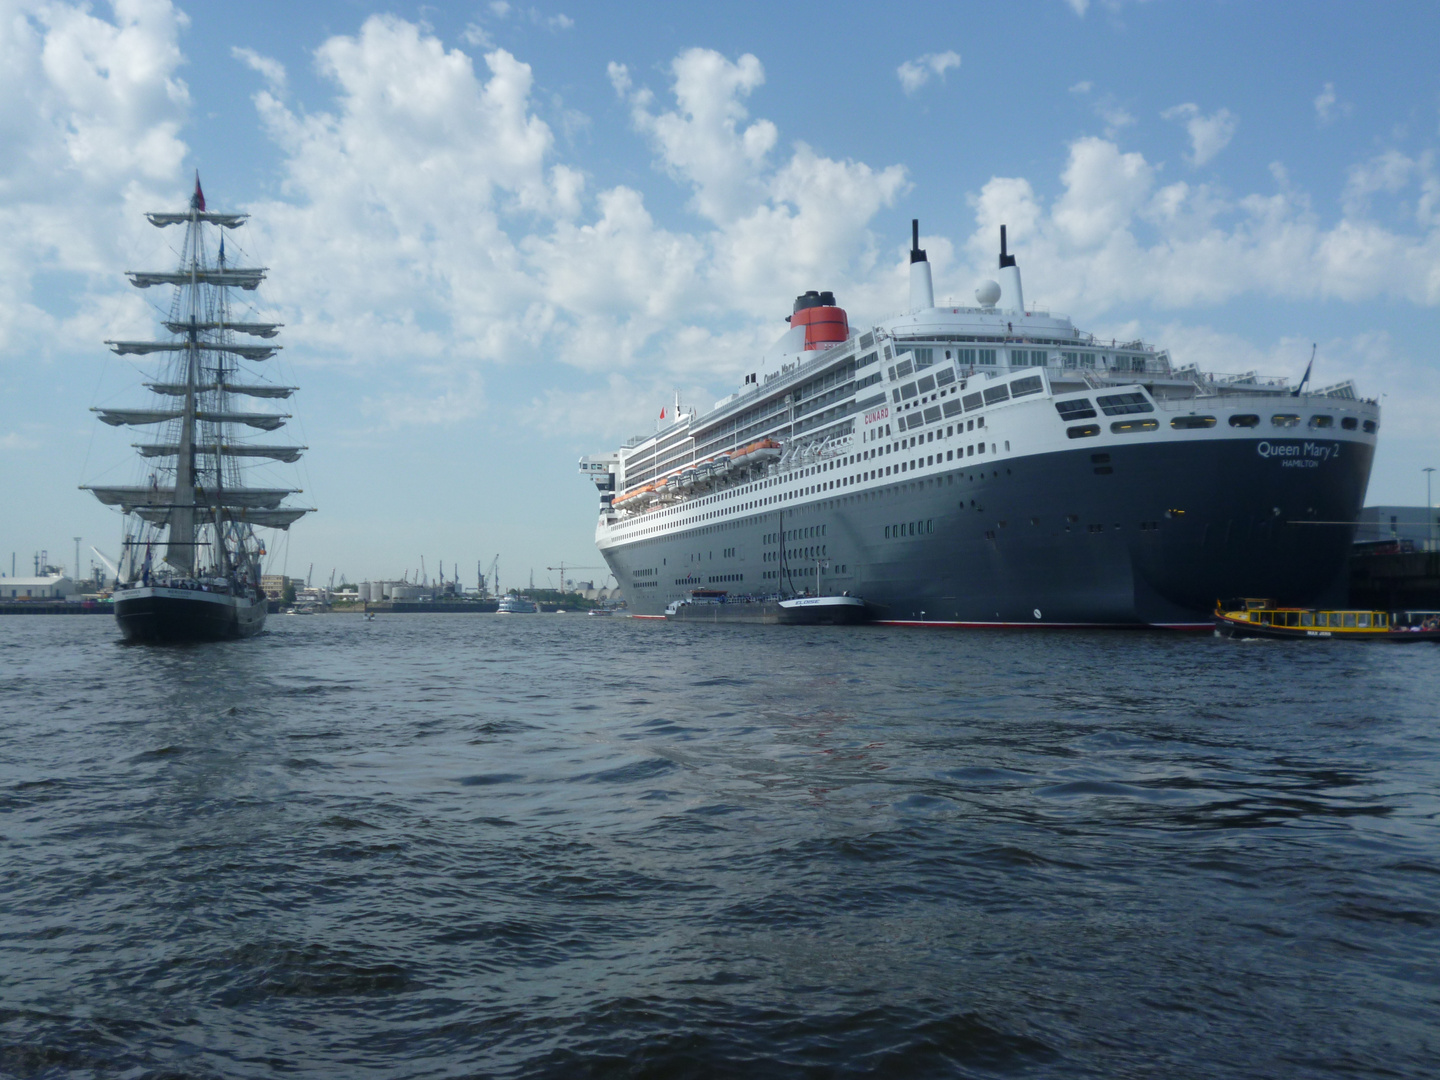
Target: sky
{"x": 501, "y": 236}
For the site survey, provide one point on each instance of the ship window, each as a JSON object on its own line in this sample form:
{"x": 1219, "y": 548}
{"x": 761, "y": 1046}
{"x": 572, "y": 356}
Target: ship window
{"x": 1349, "y": 423}
{"x": 975, "y": 401}
{"x": 949, "y": 455}
{"x": 980, "y": 449}
{"x": 970, "y": 426}
{"x": 996, "y": 393}
{"x": 1363, "y": 619}
{"x": 1083, "y": 431}
{"x": 1307, "y": 619}
{"x": 1183, "y": 422}
{"x": 1285, "y": 420}
{"x": 1350, "y": 619}
{"x": 951, "y": 407}
{"x": 1075, "y": 409}
{"x": 1370, "y": 427}
{"x": 945, "y": 376}
{"x": 1322, "y": 421}
{"x": 1244, "y": 420}
{"x": 926, "y": 384}
{"x": 908, "y": 391}
{"x": 903, "y": 368}
{"x": 987, "y": 356}
{"x": 1127, "y": 427}
{"x": 1031, "y": 384}
{"x": 1121, "y": 404}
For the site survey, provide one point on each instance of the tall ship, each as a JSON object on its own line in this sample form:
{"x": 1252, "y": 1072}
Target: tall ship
{"x": 990, "y": 465}
{"x": 191, "y": 560}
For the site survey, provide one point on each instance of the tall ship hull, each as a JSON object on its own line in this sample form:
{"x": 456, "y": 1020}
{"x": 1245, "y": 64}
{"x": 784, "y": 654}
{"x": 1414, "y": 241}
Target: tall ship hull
{"x": 191, "y": 561}
{"x": 173, "y": 616}
{"x": 991, "y": 467}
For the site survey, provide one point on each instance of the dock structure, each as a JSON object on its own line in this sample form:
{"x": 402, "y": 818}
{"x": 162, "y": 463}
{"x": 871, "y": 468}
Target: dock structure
{"x": 1395, "y": 581}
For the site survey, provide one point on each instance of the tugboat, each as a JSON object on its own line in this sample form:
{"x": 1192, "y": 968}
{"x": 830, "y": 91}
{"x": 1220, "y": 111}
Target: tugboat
{"x": 1262, "y": 618}
{"x": 191, "y": 561}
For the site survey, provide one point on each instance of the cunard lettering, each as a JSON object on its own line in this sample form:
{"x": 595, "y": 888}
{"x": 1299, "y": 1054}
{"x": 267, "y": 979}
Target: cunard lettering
{"x": 874, "y": 416}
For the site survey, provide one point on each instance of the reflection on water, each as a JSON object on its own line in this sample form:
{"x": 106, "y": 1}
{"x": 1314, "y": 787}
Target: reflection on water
{"x": 450, "y": 845}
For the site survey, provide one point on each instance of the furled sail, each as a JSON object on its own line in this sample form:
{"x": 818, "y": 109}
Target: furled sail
{"x": 116, "y": 417}
{"x": 254, "y": 390}
{"x": 264, "y": 421}
{"x": 231, "y": 221}
{"x": 267, "y": 519}
{"x": 257, "y": 329}
{"x": 223, "y": 278}
{"x": 249, "y": 390}
{"x": 288, "y": 454}
{"x": 139, "y": 348}
{"x": 131, "y": 498}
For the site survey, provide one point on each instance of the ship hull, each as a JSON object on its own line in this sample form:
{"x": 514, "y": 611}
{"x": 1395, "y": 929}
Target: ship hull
{"x": 1144, "y": 535}
{"x": 158, "y": 615}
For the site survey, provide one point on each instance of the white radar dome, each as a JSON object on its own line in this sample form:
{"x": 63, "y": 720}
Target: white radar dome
{"x": 988, "y": 293}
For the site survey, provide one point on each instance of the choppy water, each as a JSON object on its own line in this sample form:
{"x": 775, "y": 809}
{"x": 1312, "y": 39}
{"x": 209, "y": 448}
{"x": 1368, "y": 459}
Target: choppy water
{"x": 435, "y": 846}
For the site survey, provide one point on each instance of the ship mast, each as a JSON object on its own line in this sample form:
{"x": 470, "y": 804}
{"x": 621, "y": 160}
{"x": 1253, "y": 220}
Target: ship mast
{"x": 221, "y": 507}
{"x": 181, "y": 552}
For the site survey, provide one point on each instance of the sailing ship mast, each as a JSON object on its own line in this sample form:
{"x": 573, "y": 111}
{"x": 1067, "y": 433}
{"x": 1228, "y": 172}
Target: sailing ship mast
{"x": 208, "y": 496}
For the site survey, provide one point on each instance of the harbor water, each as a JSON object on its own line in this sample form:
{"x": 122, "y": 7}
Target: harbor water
{"x": 445, "y": 845}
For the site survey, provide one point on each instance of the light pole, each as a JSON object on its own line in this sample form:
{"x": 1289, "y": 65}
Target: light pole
{"x": 75, "y": 575}
{"x": 1429, "y": 511}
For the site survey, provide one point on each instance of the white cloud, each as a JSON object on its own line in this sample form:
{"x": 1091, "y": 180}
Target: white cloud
{"x": 1329, "y": 107}
{"x": 1082, "y": 87}
{"x": 427, "y": 228}
{"x": 1113, "y": 239}
{"x": 1079, "y": 6}
{"x": 1386, "y": 173}
{"x": 90, "y": 122}
{"x": 705, "y": 140}
{"x": 476, "y": 35}
{"x": 13, "y": 440}
{"x": 1103, "y": 190}
{"x": 1208, "y": 134}
{"x": 913, "y": 74}
{"x": 270, "y": 69}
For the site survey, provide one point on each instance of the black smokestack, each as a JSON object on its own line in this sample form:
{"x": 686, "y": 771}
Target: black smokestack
{"x": 916, "y": 255}
{"x": 1005, "y": 259}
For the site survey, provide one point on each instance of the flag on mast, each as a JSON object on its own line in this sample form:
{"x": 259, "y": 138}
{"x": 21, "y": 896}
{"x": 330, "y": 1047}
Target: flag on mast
{"x": 198, "y": 199}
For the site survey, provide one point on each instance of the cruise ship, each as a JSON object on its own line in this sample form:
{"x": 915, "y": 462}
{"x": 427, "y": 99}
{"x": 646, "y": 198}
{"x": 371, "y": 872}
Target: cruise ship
{"x": 990, "y": 465}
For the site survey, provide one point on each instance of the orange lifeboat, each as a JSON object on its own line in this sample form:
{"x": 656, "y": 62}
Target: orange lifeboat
{"x": 825, "y": 324}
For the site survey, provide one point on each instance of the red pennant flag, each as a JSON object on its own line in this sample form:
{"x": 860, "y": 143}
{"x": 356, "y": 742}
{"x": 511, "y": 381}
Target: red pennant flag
{"x": 662, "y": 414}
{"x": 198, "y": 199}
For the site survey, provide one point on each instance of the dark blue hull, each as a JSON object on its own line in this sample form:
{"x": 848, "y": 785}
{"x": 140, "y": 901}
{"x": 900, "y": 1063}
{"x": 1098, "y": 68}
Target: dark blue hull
{"x": 1153, "y": 535}
{"x": 177, "y": 616}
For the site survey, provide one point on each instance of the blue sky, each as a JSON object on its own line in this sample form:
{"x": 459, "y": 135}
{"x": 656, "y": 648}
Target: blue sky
{"x": 504, "y": 235}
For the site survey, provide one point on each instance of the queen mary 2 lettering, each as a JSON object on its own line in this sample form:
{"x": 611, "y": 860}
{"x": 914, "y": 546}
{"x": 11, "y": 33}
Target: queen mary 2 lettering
{"x": 990, "y": 465}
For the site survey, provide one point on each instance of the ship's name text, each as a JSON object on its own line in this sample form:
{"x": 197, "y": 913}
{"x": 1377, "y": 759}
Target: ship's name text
{"x": 874, "y": 416}
{"x": 1299, "y": 455}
